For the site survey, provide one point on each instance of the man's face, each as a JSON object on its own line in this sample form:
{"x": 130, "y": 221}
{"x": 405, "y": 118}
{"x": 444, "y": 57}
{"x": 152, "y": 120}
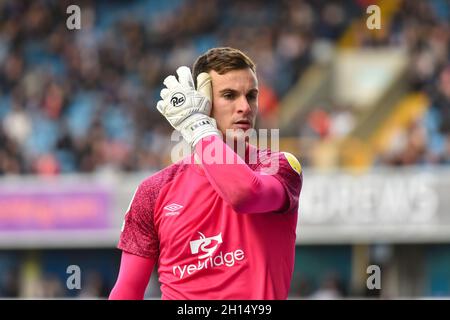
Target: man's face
{"x": 235, "y": 101}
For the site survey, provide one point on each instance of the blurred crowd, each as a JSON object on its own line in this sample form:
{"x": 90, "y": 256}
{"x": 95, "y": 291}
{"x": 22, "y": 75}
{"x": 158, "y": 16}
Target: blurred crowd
{"x": 422, "y": 29}
{"x": 84, "y": 100}
{"x": 50, "y": 285}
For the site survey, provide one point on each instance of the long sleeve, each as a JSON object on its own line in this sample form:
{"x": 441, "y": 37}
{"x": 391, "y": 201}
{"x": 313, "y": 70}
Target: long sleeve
{"x": 134, "y": 274}
{"x": 247, "y": 191}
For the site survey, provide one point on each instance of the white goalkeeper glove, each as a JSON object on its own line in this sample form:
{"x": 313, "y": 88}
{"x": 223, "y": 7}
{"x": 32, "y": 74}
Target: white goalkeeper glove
{"x": 186, "y": 109}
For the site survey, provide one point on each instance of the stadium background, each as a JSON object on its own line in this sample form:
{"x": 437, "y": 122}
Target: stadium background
{"x": 367, "y": 112}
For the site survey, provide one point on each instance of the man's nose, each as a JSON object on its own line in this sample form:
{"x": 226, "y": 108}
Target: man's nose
{"x": 243, "y": 107}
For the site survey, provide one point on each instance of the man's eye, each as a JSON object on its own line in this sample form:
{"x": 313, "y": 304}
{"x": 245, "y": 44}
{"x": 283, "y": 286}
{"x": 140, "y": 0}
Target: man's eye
{"x": 252, "y": 97}
{"x": 228, "y": 96}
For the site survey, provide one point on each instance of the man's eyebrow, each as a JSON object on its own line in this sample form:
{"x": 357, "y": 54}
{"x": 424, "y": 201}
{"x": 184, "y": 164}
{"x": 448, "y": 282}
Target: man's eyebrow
{"x": 229, "y": 90}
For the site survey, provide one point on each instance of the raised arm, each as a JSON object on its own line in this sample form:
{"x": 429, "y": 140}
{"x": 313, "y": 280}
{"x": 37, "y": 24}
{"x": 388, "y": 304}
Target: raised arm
{"x": 245, "y": 190}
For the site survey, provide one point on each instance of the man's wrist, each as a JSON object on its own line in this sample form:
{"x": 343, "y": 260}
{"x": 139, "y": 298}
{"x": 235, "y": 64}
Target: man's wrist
{"x": 207, "y": 135}
{"x": 196, "y": 127}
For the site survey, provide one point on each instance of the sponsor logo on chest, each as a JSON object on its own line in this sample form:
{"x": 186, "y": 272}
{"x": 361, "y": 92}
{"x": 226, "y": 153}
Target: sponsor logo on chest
{"x": 206, "y": 250}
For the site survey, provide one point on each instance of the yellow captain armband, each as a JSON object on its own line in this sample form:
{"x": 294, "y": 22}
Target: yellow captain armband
{"x": 293, "y": 162}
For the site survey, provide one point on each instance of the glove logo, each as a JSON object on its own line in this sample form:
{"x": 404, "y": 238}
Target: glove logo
{"x": 178, "y": 99}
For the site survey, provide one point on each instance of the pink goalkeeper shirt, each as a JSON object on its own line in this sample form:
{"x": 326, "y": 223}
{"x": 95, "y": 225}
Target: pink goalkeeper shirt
{"x": 205, "y": 249}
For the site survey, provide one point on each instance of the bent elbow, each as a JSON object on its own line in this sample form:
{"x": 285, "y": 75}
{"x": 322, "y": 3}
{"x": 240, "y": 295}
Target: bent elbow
{"x": 243, "y": 200}
{"x": 242, "y": 209}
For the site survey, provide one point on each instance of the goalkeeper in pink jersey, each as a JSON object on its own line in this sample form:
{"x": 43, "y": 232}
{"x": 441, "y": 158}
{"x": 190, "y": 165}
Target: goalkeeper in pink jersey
{"x": 216, "y": 229}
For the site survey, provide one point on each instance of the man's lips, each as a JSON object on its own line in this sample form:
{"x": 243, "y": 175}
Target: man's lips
{"x": 242, "y": 124}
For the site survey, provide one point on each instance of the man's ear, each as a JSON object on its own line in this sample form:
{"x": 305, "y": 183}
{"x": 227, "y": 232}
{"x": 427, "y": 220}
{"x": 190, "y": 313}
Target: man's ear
{"x": 204, "y": 85}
